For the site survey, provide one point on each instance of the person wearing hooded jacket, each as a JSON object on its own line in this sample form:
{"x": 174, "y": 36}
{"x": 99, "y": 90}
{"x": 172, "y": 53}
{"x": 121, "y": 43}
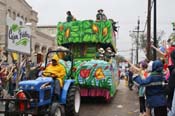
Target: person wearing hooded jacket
{"x": 57, "y": 71}
{"x": 155, "y": 95}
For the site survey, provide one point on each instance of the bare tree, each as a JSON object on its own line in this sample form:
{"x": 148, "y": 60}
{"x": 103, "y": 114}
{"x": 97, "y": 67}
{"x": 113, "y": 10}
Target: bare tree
{"x": 143, "y": 38}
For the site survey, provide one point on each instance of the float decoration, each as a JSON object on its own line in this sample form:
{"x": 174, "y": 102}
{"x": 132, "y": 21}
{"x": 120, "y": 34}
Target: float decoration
{"x": 84, "y": 31}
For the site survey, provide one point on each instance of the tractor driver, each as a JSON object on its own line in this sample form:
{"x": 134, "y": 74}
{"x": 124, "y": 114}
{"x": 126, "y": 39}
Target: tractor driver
{"x": 57, "y": 71}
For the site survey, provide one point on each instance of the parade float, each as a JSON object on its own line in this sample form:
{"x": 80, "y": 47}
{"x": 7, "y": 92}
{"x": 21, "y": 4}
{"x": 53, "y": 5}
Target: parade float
{"x": 96, "y": 77}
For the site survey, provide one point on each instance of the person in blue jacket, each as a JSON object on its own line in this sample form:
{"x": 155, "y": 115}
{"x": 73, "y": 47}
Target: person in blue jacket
{"x": 155, "y": 93}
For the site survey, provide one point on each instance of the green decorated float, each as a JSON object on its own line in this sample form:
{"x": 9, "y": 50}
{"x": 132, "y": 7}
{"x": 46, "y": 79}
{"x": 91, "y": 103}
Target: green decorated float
{"x": 95, "y": 75}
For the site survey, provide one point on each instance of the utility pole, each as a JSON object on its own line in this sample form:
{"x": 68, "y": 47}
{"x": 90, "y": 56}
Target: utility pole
{"x": 137, "y": 41}
{"x": 132, "y": 44}
{"x": 155, "y": 29}
{"x": 149, "y": 31}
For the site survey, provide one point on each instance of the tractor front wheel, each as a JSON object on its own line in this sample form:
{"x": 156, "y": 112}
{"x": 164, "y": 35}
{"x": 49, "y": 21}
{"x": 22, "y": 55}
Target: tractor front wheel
{"x": 56, "y": 110}
{"x": 72, "y": 106}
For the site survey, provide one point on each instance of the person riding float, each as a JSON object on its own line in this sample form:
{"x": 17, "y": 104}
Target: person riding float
{"x": 100, "y": 54}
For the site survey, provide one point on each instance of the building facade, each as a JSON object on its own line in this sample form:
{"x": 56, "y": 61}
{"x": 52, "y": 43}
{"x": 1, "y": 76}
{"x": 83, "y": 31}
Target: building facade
{"x": 41, "y": 42}
{"x": 49, "y": 30}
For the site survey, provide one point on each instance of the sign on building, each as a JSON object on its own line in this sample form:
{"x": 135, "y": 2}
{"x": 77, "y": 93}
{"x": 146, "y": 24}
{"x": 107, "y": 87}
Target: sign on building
{"x": 18, "y": 36}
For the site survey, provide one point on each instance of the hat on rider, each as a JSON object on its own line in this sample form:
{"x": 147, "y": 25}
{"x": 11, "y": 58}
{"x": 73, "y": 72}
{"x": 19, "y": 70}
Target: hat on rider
{"x": 100, "y": 10}
{"x": 108, "y": 49}
{"x": 101, "y": 50}
{"x": 55, "y": 57}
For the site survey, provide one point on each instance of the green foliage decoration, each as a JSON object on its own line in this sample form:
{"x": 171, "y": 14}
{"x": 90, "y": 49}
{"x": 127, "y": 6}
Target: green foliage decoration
{"x": 84, "y": 31}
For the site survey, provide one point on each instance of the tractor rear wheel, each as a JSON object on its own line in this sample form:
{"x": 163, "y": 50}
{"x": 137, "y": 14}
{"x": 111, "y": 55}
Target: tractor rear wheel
{"x": 72, "y": 106}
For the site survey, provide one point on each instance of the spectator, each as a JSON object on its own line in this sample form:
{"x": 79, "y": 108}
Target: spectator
{"x": 166, "y": 54}
{"x": 143, "y": 74}
{"x": 130, "y": 82}
{"x": 171, "y": 86}
{"x": 142, "y": 71}
{"x": 155, "y": 95}
{"x": 172, "y": 110}
{"x": 149, "y": 70}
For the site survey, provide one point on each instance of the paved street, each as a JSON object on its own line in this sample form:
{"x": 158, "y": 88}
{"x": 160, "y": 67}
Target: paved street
{"x": 125, "y": 103}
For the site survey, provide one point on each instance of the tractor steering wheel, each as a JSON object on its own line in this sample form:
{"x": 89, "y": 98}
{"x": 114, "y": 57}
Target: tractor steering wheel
{"x": 47, "y": 74}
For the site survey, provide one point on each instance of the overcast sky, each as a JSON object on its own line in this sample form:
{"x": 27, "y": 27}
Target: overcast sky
{"x": 125, "y": 11}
